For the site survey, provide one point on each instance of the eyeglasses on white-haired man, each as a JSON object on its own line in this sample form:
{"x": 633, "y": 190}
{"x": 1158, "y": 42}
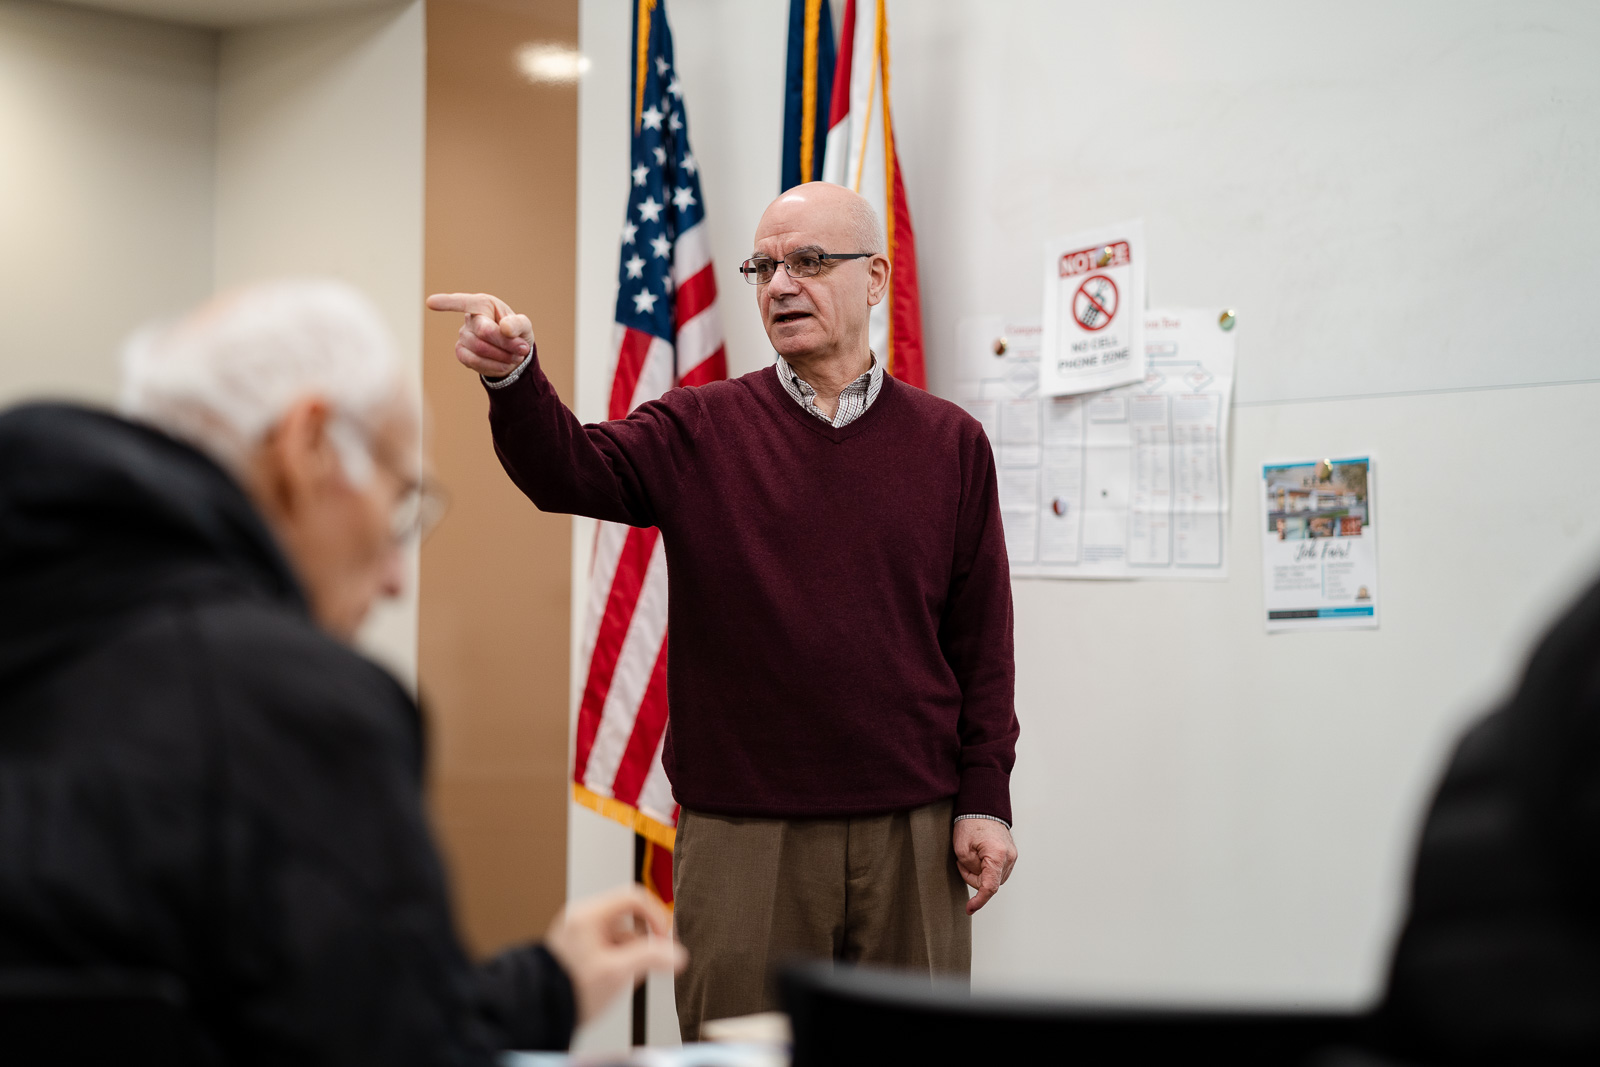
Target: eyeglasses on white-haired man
{"x": 201, "y": 778}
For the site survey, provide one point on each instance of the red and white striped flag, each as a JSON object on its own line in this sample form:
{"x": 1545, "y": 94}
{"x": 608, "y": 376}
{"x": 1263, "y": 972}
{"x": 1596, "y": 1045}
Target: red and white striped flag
{"x": 861, "y": 155}
{"x": 668, "y": 333}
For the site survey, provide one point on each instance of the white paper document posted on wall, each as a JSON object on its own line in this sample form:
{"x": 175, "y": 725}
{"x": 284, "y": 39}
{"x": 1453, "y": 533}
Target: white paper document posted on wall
{"x": 1320, "y": 547}
{"x": 1124, "y": 483}
{"x": 1093, "y": 310}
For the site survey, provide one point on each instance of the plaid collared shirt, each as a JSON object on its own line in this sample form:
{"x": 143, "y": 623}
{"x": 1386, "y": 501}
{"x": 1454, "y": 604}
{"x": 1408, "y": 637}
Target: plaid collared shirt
{"x": 854, "y": 399}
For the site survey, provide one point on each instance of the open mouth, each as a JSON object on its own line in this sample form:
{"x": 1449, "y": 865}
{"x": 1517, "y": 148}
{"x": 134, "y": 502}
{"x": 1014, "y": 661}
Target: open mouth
{"x": 790, "y": 316}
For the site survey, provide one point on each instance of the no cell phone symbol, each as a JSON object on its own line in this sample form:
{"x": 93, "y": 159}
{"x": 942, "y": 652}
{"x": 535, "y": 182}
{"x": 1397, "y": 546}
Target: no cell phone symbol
{"x": 1094, "y": 305}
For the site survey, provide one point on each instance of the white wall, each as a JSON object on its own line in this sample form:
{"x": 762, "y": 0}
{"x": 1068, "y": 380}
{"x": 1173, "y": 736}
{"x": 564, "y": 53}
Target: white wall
{"x": 319, "y": 156}
{"x": 106, "y": 154}
{"x": 1401, "y": 201}
{"x": 1395, "y": 212}
{"x": 319, "y": 172}
{"x": 1233, "y": 819}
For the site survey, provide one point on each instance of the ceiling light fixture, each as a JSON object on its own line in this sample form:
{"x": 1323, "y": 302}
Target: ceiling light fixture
{"x": 546, "y": 63}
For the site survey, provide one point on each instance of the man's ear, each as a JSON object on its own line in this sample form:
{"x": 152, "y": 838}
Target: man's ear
{"x": 300, "y": 454}
{"x": 878, "y": 270}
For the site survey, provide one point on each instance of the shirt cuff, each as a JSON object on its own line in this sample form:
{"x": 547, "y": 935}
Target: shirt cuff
{"x": 991, "y": 818}
{"x": 501, "y": 383}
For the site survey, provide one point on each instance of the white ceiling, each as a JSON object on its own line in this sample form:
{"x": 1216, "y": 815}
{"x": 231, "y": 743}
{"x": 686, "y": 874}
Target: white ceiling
{"x": 227, "y": 14}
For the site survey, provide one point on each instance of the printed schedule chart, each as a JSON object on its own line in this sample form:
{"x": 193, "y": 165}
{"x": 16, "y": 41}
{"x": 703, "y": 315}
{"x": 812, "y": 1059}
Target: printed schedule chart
{"x": 1128, "y": 482}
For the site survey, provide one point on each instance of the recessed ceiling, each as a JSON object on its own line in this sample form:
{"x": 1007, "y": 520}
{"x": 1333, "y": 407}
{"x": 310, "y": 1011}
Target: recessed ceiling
{"x": 228, "y": 14}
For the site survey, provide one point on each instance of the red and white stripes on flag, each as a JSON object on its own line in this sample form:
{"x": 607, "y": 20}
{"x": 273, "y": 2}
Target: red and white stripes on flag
{"x": 861, "y": 155}
{"x": 622, "y": 715}
{"x": 668, "y": 333}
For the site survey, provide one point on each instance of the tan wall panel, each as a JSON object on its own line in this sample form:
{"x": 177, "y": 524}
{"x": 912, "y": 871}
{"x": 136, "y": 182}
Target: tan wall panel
{"x": 501, "y": 217}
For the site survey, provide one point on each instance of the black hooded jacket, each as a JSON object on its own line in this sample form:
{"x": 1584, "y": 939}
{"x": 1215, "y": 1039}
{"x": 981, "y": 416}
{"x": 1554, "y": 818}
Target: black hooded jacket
{"x": 195, "y": 779}
{"x": 1499, "y": 960}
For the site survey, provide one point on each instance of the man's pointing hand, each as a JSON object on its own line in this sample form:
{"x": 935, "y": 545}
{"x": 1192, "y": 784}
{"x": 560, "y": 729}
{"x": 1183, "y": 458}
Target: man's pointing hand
{"x": 493, "y": 340}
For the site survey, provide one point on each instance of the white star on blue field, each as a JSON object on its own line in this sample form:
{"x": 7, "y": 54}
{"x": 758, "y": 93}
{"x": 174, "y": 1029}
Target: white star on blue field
{"x": 663, "y": 196}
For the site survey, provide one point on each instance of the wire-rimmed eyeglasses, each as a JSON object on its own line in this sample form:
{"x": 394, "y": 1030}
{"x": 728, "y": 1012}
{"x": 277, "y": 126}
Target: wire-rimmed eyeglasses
{"x": 421, "y": 505}
{"x": 802, "y": 263}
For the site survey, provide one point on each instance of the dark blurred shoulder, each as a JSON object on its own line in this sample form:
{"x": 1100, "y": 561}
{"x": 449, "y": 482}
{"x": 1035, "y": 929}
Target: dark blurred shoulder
{"x": 276, "y": 666}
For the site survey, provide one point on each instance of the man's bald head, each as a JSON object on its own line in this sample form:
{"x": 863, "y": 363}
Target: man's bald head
{"x": 836, "y": 203}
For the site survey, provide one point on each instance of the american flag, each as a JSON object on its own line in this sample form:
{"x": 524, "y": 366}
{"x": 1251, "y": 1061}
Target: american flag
{"x": 668, "y": 333}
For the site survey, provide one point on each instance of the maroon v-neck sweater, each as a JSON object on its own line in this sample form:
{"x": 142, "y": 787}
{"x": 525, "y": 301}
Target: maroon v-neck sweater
{"x": 839, "y": 603}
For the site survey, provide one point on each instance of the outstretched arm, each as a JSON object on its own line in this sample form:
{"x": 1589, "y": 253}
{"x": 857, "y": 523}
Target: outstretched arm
{"x": 616, "y": 470}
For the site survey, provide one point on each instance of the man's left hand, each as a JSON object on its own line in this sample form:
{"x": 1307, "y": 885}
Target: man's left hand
{"x": 985, "y": 854}
{"x": 607, "y": 944}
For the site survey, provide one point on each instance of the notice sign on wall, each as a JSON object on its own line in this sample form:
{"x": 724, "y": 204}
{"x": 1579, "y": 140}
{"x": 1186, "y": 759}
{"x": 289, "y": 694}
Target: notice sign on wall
{"x": 1320, "y": 551}
{"x": 1093, "y": 310}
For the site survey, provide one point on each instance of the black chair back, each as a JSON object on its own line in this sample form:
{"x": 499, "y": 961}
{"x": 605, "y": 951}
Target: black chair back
{"x": 848, "y": 1016}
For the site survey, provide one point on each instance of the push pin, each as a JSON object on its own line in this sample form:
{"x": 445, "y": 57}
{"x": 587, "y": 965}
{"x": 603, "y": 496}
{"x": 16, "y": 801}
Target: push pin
{"x": 1058, "y": 506}
{"x": 1000, "y": 345}
{"x": 1105, "y": 256}
{"x": 1227, "y": 319}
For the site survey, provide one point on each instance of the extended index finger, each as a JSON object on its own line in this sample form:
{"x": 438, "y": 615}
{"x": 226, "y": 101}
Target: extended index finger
{"x": 470, "y": 303}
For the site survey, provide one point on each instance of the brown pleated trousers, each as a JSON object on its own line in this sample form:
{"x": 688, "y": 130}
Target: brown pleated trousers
{"x": 752, "y": 894}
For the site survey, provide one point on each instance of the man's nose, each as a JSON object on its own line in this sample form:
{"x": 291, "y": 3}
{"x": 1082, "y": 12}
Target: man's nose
{"x": 781, "y": 284}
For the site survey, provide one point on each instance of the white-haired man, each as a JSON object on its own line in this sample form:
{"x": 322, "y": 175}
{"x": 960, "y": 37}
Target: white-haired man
{"x": 198, "y": 777}
{"x": 840, "y": 683}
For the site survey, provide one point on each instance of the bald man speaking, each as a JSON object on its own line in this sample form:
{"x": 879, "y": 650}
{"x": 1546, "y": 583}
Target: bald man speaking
{"x": 841, "y": 726}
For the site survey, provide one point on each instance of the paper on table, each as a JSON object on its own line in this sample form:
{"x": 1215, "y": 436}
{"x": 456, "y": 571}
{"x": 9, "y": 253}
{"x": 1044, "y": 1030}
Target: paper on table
{"x": 1127, "y": 482}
